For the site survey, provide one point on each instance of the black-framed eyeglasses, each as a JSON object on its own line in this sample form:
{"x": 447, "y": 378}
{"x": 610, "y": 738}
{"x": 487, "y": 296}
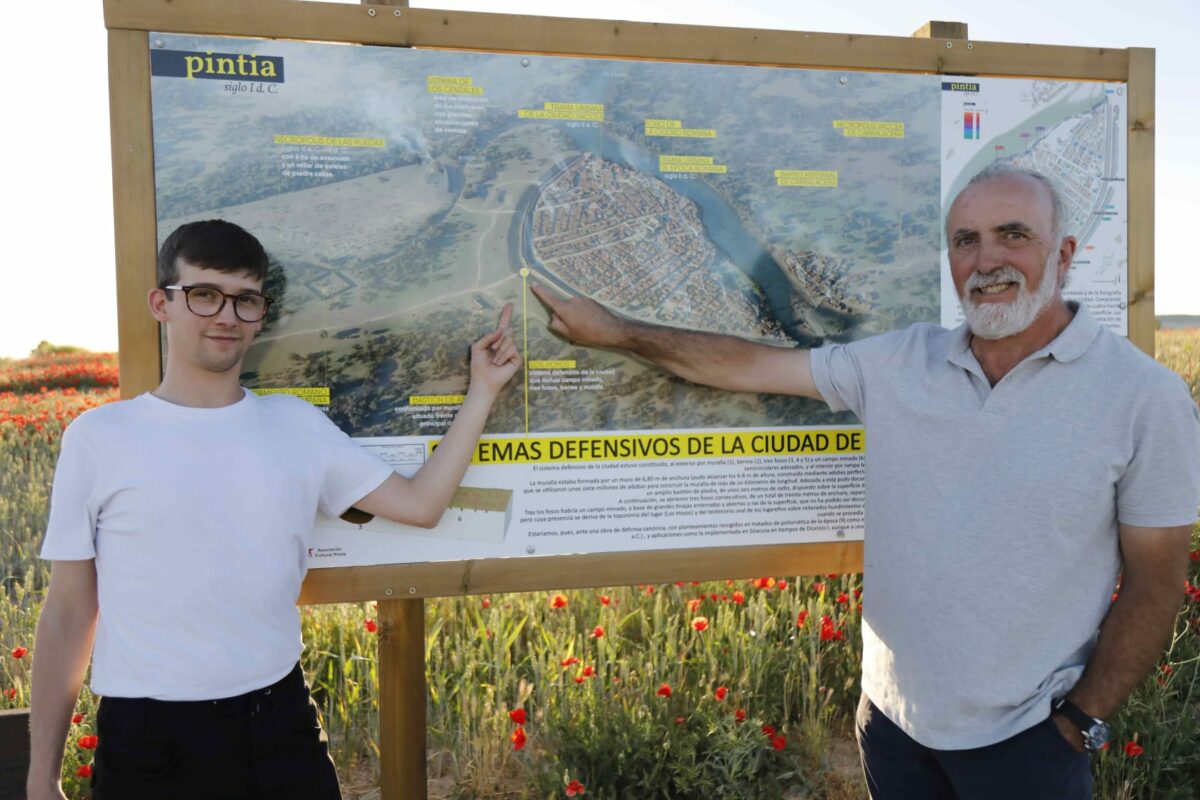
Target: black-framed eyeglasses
{"x": 207, "y": 301}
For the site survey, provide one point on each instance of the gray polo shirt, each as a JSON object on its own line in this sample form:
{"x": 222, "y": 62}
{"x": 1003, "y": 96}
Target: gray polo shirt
{"x": 991, "y": 514}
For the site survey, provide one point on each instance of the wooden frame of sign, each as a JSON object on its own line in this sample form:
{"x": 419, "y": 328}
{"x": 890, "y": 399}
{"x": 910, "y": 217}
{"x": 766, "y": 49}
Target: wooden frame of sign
{"x": 938, "y": 48}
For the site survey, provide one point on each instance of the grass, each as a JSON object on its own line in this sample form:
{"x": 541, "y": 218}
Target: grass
{"x": 529, "y": 692}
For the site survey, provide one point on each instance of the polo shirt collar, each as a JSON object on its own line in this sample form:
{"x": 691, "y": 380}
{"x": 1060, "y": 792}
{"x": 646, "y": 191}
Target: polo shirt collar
{"x": 1069, "y": 345}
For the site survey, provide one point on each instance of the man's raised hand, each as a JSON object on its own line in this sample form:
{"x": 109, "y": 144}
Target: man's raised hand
{"x": 581, "y": 319}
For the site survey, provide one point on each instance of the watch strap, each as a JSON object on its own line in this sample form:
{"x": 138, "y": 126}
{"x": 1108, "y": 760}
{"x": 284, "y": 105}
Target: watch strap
{"x": 1076, "y": 715}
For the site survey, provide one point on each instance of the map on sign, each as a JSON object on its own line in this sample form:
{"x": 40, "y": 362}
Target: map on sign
{"x": 408, "y": 195}
{"x": 1073, "y": 132}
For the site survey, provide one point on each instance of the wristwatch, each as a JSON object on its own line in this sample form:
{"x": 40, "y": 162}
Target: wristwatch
{"x": 1095, "y": 730}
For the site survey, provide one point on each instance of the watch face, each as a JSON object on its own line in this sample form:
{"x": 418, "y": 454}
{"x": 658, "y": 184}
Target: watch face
{"x": 1096, "y": 736}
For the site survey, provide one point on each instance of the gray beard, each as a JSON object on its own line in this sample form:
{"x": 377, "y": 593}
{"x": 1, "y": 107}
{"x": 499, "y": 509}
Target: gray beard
{"x": 999, "y": 320}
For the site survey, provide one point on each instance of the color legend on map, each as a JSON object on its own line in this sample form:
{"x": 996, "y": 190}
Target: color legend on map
{"x": 970, "y": 123}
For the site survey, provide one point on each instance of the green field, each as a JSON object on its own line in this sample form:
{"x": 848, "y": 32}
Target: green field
{"x": 528, "y": 692}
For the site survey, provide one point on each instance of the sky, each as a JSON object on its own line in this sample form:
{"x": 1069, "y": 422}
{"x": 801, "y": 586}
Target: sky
{"x": 59, "y": 275}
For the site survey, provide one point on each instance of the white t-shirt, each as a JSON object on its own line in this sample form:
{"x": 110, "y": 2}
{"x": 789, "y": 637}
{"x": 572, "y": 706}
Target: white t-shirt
{"x": 199, "y": 520}
{"x": 991, "y": 548}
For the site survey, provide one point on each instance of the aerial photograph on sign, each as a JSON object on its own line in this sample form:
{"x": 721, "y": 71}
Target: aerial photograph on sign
{"x": 407, "y": 195}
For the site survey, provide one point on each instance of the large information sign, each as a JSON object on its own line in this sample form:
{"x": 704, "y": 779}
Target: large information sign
{"x": 408, "y": 195}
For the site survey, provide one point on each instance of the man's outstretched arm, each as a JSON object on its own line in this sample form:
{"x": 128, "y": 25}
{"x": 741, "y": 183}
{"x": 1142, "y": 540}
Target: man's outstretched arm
{"x": 422, "y": 499}
{"x": 65, "y": 631}
{"x": 1139, "y": 623}
{"x": 725, "y": 362}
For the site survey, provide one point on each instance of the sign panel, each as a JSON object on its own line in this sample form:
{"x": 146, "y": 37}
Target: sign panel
{"x": 407, "y": 195}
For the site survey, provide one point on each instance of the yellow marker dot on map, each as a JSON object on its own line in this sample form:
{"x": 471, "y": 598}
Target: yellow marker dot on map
{"x": 524, "y": 272}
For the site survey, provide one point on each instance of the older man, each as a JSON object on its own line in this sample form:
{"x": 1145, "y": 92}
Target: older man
{"x": 1015, "y": 466}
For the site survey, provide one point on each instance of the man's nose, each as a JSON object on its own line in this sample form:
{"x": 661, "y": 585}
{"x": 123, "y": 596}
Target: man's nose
{"x": 990, "y": 256}
{"x": 227, "y": 314}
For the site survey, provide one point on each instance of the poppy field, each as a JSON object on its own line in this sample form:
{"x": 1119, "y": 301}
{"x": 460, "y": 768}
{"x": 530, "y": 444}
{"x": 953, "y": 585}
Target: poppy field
{"x": 742, "y": 688}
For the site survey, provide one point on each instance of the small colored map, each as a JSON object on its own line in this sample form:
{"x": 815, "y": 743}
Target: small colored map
{"x": 1073, "y": 133}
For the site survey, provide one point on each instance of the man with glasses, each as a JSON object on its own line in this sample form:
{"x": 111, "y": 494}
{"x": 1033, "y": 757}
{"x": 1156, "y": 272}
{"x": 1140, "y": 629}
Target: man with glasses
{"x": 178, "y": 529}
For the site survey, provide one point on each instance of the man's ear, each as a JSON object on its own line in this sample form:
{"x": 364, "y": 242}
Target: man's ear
{"x": 1066, "y": 254}
{"x": 157, "y": 300}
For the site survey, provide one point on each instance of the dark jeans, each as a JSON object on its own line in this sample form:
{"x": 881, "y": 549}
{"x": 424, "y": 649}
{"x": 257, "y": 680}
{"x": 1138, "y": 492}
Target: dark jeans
{"x": 263, "y": 744}
{"x": 1035, "y": 764}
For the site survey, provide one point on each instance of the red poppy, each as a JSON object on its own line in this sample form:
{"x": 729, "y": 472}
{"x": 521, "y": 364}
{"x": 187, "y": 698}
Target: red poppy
{"x": 573, "y": 788}
{"x": 720, "y": 693}
{"x": 768, "y": 730}
{"x": 833, "y": 576}
{"x": 518, "y": 738}
{"x": 700, "y": 623}
{"x": 818, "y": 587}
{"x": 740, "y": 715}
{"x": 664, "y": 691}
{"x": 85, "y": 771}
{"x": 843, "y": 598}
{"x": 605, "y": 600}
{"x": 679, "y": 584}
{"x": 78, "y": 718}
{"x": 779, "y": 742}
{"x": 802, "y": 618}
{"x": 693, "y": 606}
{"x": 781, "y": 585}
{"x": 588, "y": 671}
{"x": 1195, "y": 555}
{"x": 19, "y": 652}
{"x": 729, "y": 581}
{"x": 1134, "y": 749}
{"x": 679, "y": 720}
{"x": 371, "y": 626}
{"x": 517, "y": 715}
{"x": 568, "y": 661}
{"x": 739, "y": 598}
{"x": 10, "y": 693}
{"x": 713, "y": 597}
{"x": 579, "y": 679}
{"x": 649, "y": 589}
{"x": 597, "y": 632}
{"x": 763, "y": 583}
{"x": 858, "y": 594}
{"x": 485, "y": 602}
{"x": 1166, "y": 669}
{"x": 558, "y": 600}
{"x": 826, "y": 629}
{"x": 89, "y": 742}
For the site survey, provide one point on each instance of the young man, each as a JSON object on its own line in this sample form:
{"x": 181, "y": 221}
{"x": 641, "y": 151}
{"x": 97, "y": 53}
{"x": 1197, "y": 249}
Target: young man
{"x": 1015, "y": 465}
{"x": 178, "y": 529}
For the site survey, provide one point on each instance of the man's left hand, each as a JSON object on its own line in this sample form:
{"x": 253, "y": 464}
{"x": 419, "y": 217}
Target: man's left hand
{"x": 1073, "y": 735}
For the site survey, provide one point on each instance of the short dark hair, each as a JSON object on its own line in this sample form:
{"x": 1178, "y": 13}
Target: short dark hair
{"x": 211, "y": 244}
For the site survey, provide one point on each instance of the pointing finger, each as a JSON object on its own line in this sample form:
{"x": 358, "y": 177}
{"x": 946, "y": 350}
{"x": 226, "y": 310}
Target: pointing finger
{"x": 505, "y": 316}
{"x": 545, "y": 295}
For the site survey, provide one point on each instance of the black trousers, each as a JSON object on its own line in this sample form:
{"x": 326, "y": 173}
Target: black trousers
{"x": 262, "y": 745}
{"x": 1035, "y": 764}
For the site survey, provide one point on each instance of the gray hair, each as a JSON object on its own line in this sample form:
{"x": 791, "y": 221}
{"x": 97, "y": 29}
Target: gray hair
{"x": 1004, "y": 169}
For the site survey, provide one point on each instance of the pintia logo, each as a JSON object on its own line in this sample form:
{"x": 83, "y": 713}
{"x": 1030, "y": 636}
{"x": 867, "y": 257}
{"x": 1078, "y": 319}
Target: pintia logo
{"x": 216, "y": 66}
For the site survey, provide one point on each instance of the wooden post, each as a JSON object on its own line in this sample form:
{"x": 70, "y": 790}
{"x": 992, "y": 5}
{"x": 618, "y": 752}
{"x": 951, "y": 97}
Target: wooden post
{"x": 402, "y": 700}
{"x": 936, "y": 29}
{"x": 1140, "y": 190}
{"x": 135, "y": 231}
